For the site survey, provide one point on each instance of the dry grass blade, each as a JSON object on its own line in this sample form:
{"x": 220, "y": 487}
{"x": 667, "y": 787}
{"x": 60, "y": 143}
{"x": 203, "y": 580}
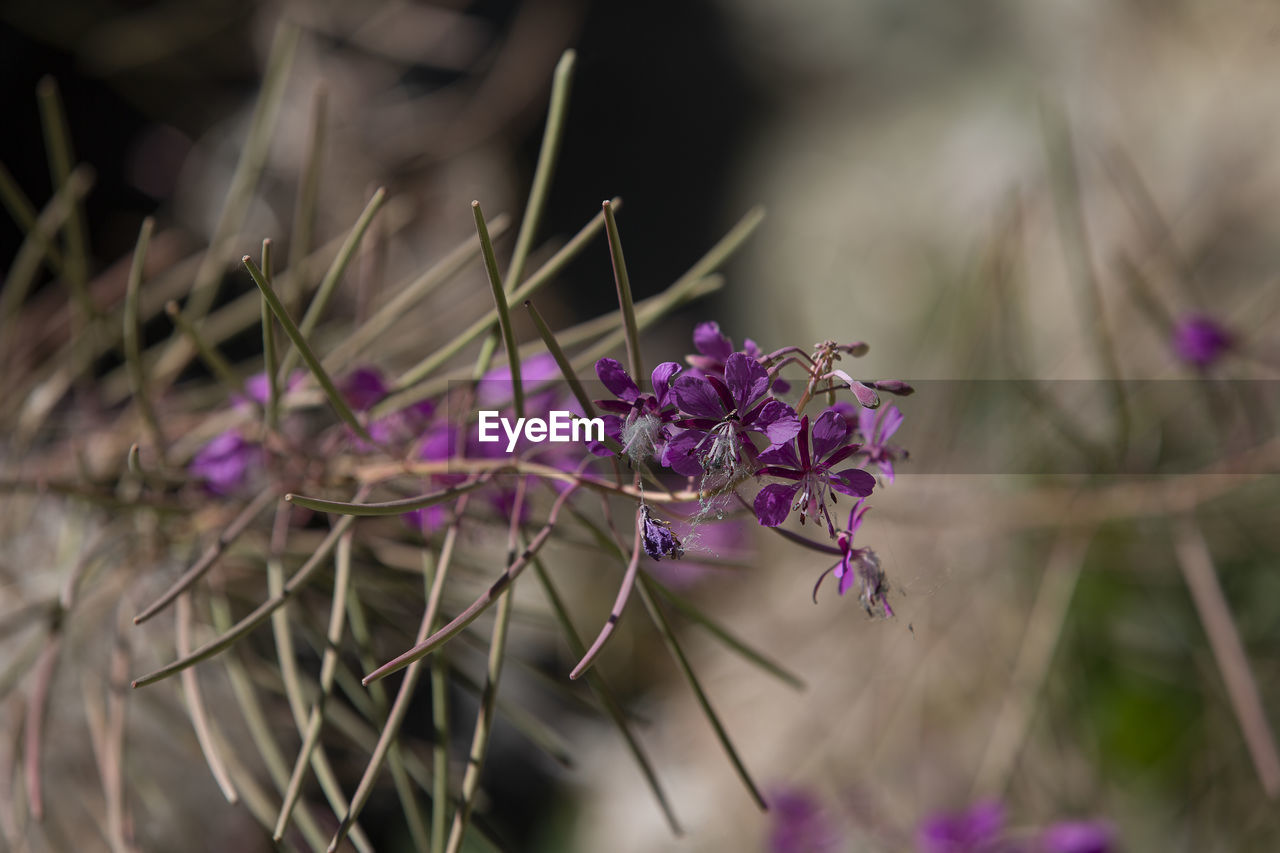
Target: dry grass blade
{"x": 195, "y": 707}
{"x": 1228, "y": 650}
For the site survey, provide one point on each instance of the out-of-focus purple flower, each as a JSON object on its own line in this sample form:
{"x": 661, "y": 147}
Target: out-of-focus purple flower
{"x": 226, "y": 463}
{"x": 720, "y": 414}
{"x": 807, "y": 461}
{"x": 1200, "y": 340}
{"x": 1079, "y": 836}
{"x": 976, "y": 830}
{"x": 639, "y": 422}
{"x": 363, "y": 388}
{"x": 875, "y": 428}
{"x": 800, "y": 824}
{"x": 438, "y": 445}
{"x": 657, "y": 538}
{"x": 257, "y": 390}
{"x": 860, "y": 565}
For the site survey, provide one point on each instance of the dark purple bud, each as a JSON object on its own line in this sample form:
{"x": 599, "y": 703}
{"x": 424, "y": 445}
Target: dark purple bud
{"x": 1200, "y": 340}
{"x": 894, "y": 386}
{"x": 658, "y": 540}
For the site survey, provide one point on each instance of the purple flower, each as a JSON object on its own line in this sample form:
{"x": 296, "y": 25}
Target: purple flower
{"x": 257, "y": 390}
{"x": 1079, "y": 837}
{"x": 976, "y": 830}
{"x": 658, "y": 540}
{"x": 807, "y": 461}
{"x": 637, "y": 421}
{"x": 225, "y": 464}
{"x": 363, "y": 388}
{"x": 721, "y": 413}
{"x": 876, "y": 427}
{"x": 714, "y": 348}
{"x": 799, "y": 824}
{"x": 1199, "y": 340}
{"x": 858, "y": 564}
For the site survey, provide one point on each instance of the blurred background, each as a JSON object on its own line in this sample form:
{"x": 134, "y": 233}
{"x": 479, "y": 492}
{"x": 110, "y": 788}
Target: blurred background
{"x": 980, "y": 191}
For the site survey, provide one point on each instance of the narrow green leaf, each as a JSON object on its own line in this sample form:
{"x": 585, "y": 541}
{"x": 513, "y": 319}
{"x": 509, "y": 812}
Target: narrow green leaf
{"x": 300, "y": 343}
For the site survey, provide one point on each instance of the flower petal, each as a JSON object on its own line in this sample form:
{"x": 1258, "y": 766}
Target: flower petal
{"x": 680, "y": 454}
{"x": 696, "y": 397}
{"x": 890, "y": 420}
{"x": 661, "y": 379}
{"x": 830, "y": 431}
{"x": 615, "y": 378}
{"x": 853, "y": 481}
{"x": 709, "y": 340}
{"x": 778, "y": 421}
{"x": 781, "y": 454}
{"x": 773, "y": 503}
{"x": 747, "y": 380}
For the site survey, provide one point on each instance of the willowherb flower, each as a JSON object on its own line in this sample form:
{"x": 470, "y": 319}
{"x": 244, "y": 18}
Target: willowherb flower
{"x": 1200, "y": 340}
{"x": 859, "y": 565}
{"x": 1078, "y": 836}
{"x": 976, "y": 830}
{"x": 226, "y": 464}
{"x": 714, "y": 348}
{"x": 875, "y": 428}
{"x": 799, "y": 824}
{"x": 720, "y": 412}
{"x": 362, "y": 389}
{"x": 807, "y": 461}
{"x": 657, "y": 538}
{"x": 639, "y": 422}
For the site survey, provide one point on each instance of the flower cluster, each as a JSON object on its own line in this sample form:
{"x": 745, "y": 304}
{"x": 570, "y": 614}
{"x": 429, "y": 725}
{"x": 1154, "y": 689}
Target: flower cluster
{"x": 725, "y": 423}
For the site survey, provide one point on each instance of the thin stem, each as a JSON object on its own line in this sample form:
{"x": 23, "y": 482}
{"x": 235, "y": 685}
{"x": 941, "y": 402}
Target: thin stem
{"x": 673, "y": 646}
{"x": 691, "y": 611}
{"x": 264, "y": 740}
{"x": 131, "y": 336}
{"x": 328, "y": 285}
{"x": 195, "y": 706}
{"x": 548, "y": 154}
{"x": 387, "y": 507}
{"x": 228, "y": 536}
{"x": 407, "y": 395}
{"x": 259, "y": 614}
{"x": 605, "y": 696}
{"x": 21, "y": 274}
{"x": 269, "y": 355}
{"x": 1040, "y": 639}
{"x": 24, "y": 215}
{"x": 328, "y": 664}
{"x": 57, "y": 134}
{"x": 400, "y": 707}
{"x": 486, "y": 599}
{"x": 620, "y": 602}
{"x": 504, "y": 315}
{"x": 562, "y": 360}
{"x": 1202, "y": 581}
{"x": 300, "y": 343}
{"x": 410, "y": 294}
{"x": 1078, "y": 251}
{"x": 305, "y": 207}
{"x": 489, "y": 696}
{"x": 623, "y": 282}
{"x": 253, "y": 158}
{"x": 214, "y": 360}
